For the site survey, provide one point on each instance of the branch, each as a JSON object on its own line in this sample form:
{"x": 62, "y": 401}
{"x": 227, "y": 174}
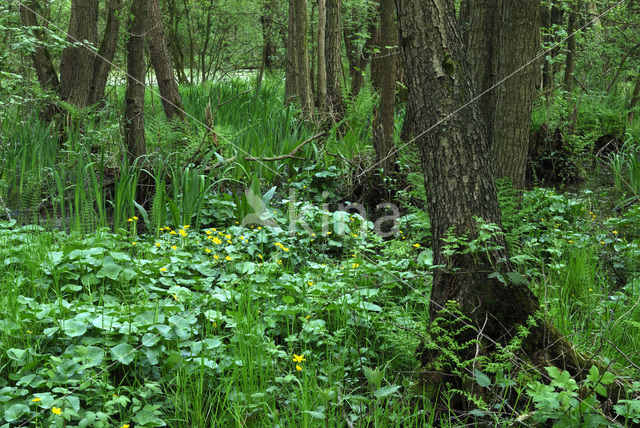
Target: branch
{"x": 290, "y": 155}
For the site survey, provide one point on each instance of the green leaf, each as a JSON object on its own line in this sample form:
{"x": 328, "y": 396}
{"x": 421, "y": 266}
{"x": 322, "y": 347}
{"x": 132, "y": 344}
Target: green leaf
{"x": 73, "y": 328}
{"x": 16, "y": 354}
{"x": 482, "y": 379}
{"x": 15, "y": 411}
{"x": 386, "y": 391}
{"x": 109, "y": 270}
{"x": 289, "y": 300}
{"x": 148, "y": 416}
{"x": 123, "y": 353}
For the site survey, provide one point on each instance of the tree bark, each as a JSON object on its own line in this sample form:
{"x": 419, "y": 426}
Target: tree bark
{"x": 297, "y": 86}
{"x": 161, "y": 61}
{"x": 106, "y": 52}
{"x": 134, "y": 96}
{"x": 500, "y": 41}
{"x": 480, "y": 49}
{"x": 47, "y": 76}
{"x": 383, "y": 73}
{"x": 635, "y": 97}
{"x": 517, "y": 45}
{"x": 457, "y": 168}
{"x": 322, "y": 63}
{"x": 335, "y": 103}
{"x": 76, "y": 65}
{"x": 570, "y": 63}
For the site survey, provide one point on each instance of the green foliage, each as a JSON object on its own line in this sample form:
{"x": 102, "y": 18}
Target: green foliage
{"x": 567, "y": 403}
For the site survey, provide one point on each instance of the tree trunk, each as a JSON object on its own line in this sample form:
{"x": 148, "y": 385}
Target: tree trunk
{"x": 517, "y": 45}
{"x": 76, "y": 66}
{"x": 106, "y": 52}
{"x": 457, "y": 167}
{"x": 297, "y": 87}
{"x": 161, "y": 61}
{"x": 480, "y": 50}
{"x": 333, "y": 57}
{"x": 47, "y": 76}
{"x": 501, "y": 40}
{"x": 570, "y": 63}
{"x": 463, "y": 20}
{"x": 134, "y": 96}
{"x": 383, "y": 73}
{"x": 322, "y": 64}
{"x": 548, "y": 71}
{"x": 635, "y": 97}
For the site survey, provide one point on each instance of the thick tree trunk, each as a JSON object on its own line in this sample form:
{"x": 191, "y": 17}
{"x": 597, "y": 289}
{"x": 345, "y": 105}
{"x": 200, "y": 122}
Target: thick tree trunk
{"x": 322, "y": 63}
{"x": 161, "y": 61}
{"x": 517, "y": 45}
{"x": 480, "y": 50}
{"x": 383, "y": 73}
{"x": 134, "y": 96}
{"x": 501, "y": 40}
{"x": 297, "y": 86}
{"x": 457, "y": 167}
{"x": 335, "y": 103}
{"x": 106, "y": 52}
{"x": 76, "y": 66}
{"x": 47, "y": 75}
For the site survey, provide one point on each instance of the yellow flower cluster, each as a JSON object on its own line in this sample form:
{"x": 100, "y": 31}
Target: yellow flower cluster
{"x": 282, "y": 247}
{"x": 298, "y": 359}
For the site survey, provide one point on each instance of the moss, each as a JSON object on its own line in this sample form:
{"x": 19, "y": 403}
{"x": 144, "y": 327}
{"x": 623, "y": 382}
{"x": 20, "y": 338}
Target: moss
{"x": 448, "y": 66}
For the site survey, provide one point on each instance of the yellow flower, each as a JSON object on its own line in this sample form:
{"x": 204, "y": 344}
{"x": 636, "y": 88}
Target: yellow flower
{"x": 129, "y": 219}
{"x": 115, "y": 395}
{"x": 310, "y": 283}
{"x": 158, "y": 244}
{"x": 35, "y": 400}
{"x": 298, "y": 358}
{"x": 285, "y": 249}
{"x": 602, "y": 242}
{"x": 186, "y": 226}
{"x": 416, "y": 245}
{"x": 163, "y": 269}
{"x": 228, "y": 258}
{"x": 259, "y": 227}
{"x": 227, "y": 236}
{"x": 279, "y": 261}
{"x": 615, "y": 232}
{"x": 175, "y": 297}
{"x": 307, "y": 317}
{"x": 208, "y": 232}
{"x": 298, "y": 367}
{"x": 355, "y": 265}
{"x": 56, "y": 410}
{"x": 135, "y": 218}
{"x": 216, "y": 257}
{"x": 207, "y": 250}
{"x": 134, "y": 243}
{"x": 260, "y": 256}
{"x": 173, "y": 232}
{"x": 125, "y": 426}
{"x": 216, "y": 240}
{"x": 214, "y": 324}
{"x": 570, "y": 241}
{"x": 591, "y": 289}
{"x": 173, "y": 247}
{"x": 29, "y": 332}
{"x": 182, "y": 232}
